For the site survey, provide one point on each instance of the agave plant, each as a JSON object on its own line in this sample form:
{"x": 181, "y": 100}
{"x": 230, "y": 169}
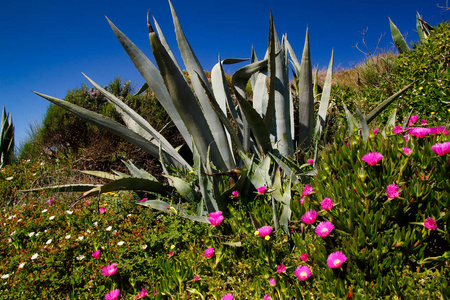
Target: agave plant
{"x": 6, "y": 139}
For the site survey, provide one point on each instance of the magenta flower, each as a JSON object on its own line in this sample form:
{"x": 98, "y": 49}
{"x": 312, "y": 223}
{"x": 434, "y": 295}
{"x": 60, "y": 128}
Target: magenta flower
{"x": 307, "y": 190}
{"x": 310, "y": 161}
{"x": 372, "y": 158}
{"x": 281, "y": 268}
{"x": 406, "y": 137}
{"x": 50, "y": 201}
{"x": 227, "y": 297}
{"x": 102, "y": 210}
{"x": 336, "y": 259}
{"x": 96, "y": 254}
{"x": 423, "y": 122}
{"x": 302, "y": 199}
{"x": 209, "y": 252}
{"x": 324, "y": 228}
{"x": 375, "y": 131}
{"x": 430, "y": 223}
{"x": 235, "y": 193}
{"x": 143, "y": 293}
{"x": 144, "y": 199}
{"x": 113, "y": 295}
{"x": 272, "y": 282}
{"x": 327, "y": 203}
{"x": 304, "y": 257}
{"x": 392, "y": 191}
{"x": 109, "y": 270}
{"x": 309, "y": 217}
{"x": 407, "y": 151}
{"x": 261, "y": 190}
{"x": 419, "y": 132}
{"x": 413, "y": 119}
{"x": 196, "y": 278}
{"x": 441, "y": 149}
{"x": 397, "y": 129}
{"x": 267, "y": 297}
{"x": 265, "y": 231}
{"x": 437, "y": 130}
{"x": 215, "y": 218}
{"x": 303, "y": 272}
{"x": 170, "y": 253}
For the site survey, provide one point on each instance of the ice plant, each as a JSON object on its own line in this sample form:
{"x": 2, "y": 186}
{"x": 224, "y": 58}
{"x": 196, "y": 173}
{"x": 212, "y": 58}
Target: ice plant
{"x": 397, "y": 129}
{"x": 50, "y": 201}
{"x": 336, "y": 259}
{"x": 324, "y": 228}
{"x": 419, "y": 132}
{"x": 261, "y": 190}
{"x": 281, "y": 268}
{"x": 267, "y": 297}
{"x": 441, "y": 149}
{"x": 265, "y": 231}
{"x": 272, "y": 282}
{"x": 215, "y": 218}
{"x": 423, "y": 122}
{"x": 310, "y": 161}
{"x": 307, "y": 190}
{"x": 235, "y": 193}
{"x": 170, "y": 253}
{"x": 209, "y": 252}
{"x": 413, "y": 119}
{"x": 228, "y": 297}
{"x": 96, "y": 254}
{"x": 112, "y": 295}
{"x": 407, "y": 151}
{"x": 309, "y": 217}
{"x": 109, "y": 270}
{"x": 303, "y": 272}
{"x": 372, "y": 158}
{"x": 143, "y": 293}
{"x": 375, "y": 131}
{"x": 392, "y": 191}
{"x": 327, "y": 203}
{"x": 430, "y": 223}
{"x": 196, "y": 278}
{"x": 304, "y": 257}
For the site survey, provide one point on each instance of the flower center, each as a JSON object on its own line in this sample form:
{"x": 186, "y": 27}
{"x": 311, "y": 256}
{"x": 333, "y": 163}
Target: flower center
{"x": 324, "y": 230}
{"x": 303, "y": 274}
{"x": 337, "y": 262}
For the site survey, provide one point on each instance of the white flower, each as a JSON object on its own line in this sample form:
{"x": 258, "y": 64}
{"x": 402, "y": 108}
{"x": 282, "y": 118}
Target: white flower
{"x": 120, "y": 243}
{"x": 95, "y": 223}
{"x": 10, "y": 217}
{"x": 88, "y": 231}
{"x": 129, "y": 215}
{"x": 144, "y": 246}
{"x": 37, "y": 234}
{"x": 69, "y": 212}
{"x": 22, "y": 265}
{"x": 67, "y": 236}
{"x": 109, "y": 228}
{"x": 80, "y": 257}
{"x": 12, "y": 233}
{"x": 80, "y": 238}
{"x": 49, "y": 242}
{"x": 42, "y": 163}
{"x": 6, "y": 276}
{"x": 20, "y": 220}
{"x": 114, "y": 232}
{"x": 31, "y": 234}
{"x": 44, "y": 211}
{"x": 51, "y": 218}
{"x": 34, "y": 174}
{"x": 34, "y": 256}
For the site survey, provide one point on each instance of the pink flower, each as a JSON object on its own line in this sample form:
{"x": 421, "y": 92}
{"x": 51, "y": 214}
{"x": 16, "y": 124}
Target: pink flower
{"x": 303, "y": 272}
{"x": 302, "y": 199}
{"x": 392, "y": 191}
{"x": 209, "y": 252}
{"x": 307, "y": 190}
{"x": 196, "y": 278}
{"x": 235, "y": 193}
{"x": 50, "y": 201}
{"x": 143, "y": 293}
{"x": 272, "y": 282}
{"x": 113, "y": 295}
{"x": 309, "y": 217}
{"x": 397, "y": 129}
{"x": 441, "y": 149}
{"x": 375, "y": 131}
{"x": 324, "y": 228}
{"x": 96, "y": 254}
{"x": 109, "y": 270}
{"x": 281, "y": 268}
{"x": 170, "y": 253}
{"x": 310, "y": 161}
{"x": 336, "y": 259}
{"x": 88, "y": 202}
{"x": 261, "y": 190}
{"x": 227, "y": 297}
{"x": 406, "y": 137}
{"x": 215, "y": 218}
{"x": 419, "y": 132}
{"x": 423, "y": 122}
{"x": 430, "y": 223}
{"x": 143, "y": 199}
{"x": 372, "y": 158}
{"x": 265, "y": 231}
{"x": 267, "y": 297}
{"x": 327, "y": 203}
{"x": 437, "y": 130}
{"x": 102, "y": 210}
{"x": 304, "y": 257}
{"x": 407, "y": 151}
{"x": 413, "y": 119}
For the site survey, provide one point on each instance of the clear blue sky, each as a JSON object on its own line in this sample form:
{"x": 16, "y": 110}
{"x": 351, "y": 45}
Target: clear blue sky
{"x": 45, "y": 45}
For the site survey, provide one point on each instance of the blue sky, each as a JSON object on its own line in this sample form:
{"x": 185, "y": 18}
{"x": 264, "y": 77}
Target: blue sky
{"x": 47, "y": 44}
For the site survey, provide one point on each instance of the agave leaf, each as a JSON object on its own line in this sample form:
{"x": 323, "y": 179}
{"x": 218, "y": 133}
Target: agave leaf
{"x": 193, "y": 66}
{"x": 391, "y": 121}
{"x": 101, "y": 174}
{"x": 206, "y": 186}
{"x": 155, "y": 204}
{"x": 306, "y": 97}
{"x": 269, "y": 115}
{"x": 324, "y": 101}
{"x": 278, "y": 188}
{"x": 122, "y": 175}
{"x": 232, "y": 244}
{"x": 423, "y": 28}
{"x": 286, "y": 213}
{"x": 261, "y": 175}
{"x": 129, "y": 184}
{"x": 316, "y": 87}
{"x": 164, "y": 42}
{"x": 77, "y": 187}
{"x": 351, "y": 121}
{"x": 154, "y": 80}
{"x": 289, "y": 168}
{"x": 184, "y": 188}
{"x": 137, "y": 172}
{"x": 398, "y": 38}
{"x": 295, "y": 61}
{"x": 142, "y": 89}
{"x": 376, "y": 111}
{"x": 186, "y": 103}
{"x": 406, "y": 120}
{"x": 363, "y": 125}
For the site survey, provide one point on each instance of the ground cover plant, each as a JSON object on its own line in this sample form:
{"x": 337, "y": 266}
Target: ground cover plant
{"x": 362, "y": 216}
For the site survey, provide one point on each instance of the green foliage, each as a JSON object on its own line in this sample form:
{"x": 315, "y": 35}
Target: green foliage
{"x": 6, "y": 139}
